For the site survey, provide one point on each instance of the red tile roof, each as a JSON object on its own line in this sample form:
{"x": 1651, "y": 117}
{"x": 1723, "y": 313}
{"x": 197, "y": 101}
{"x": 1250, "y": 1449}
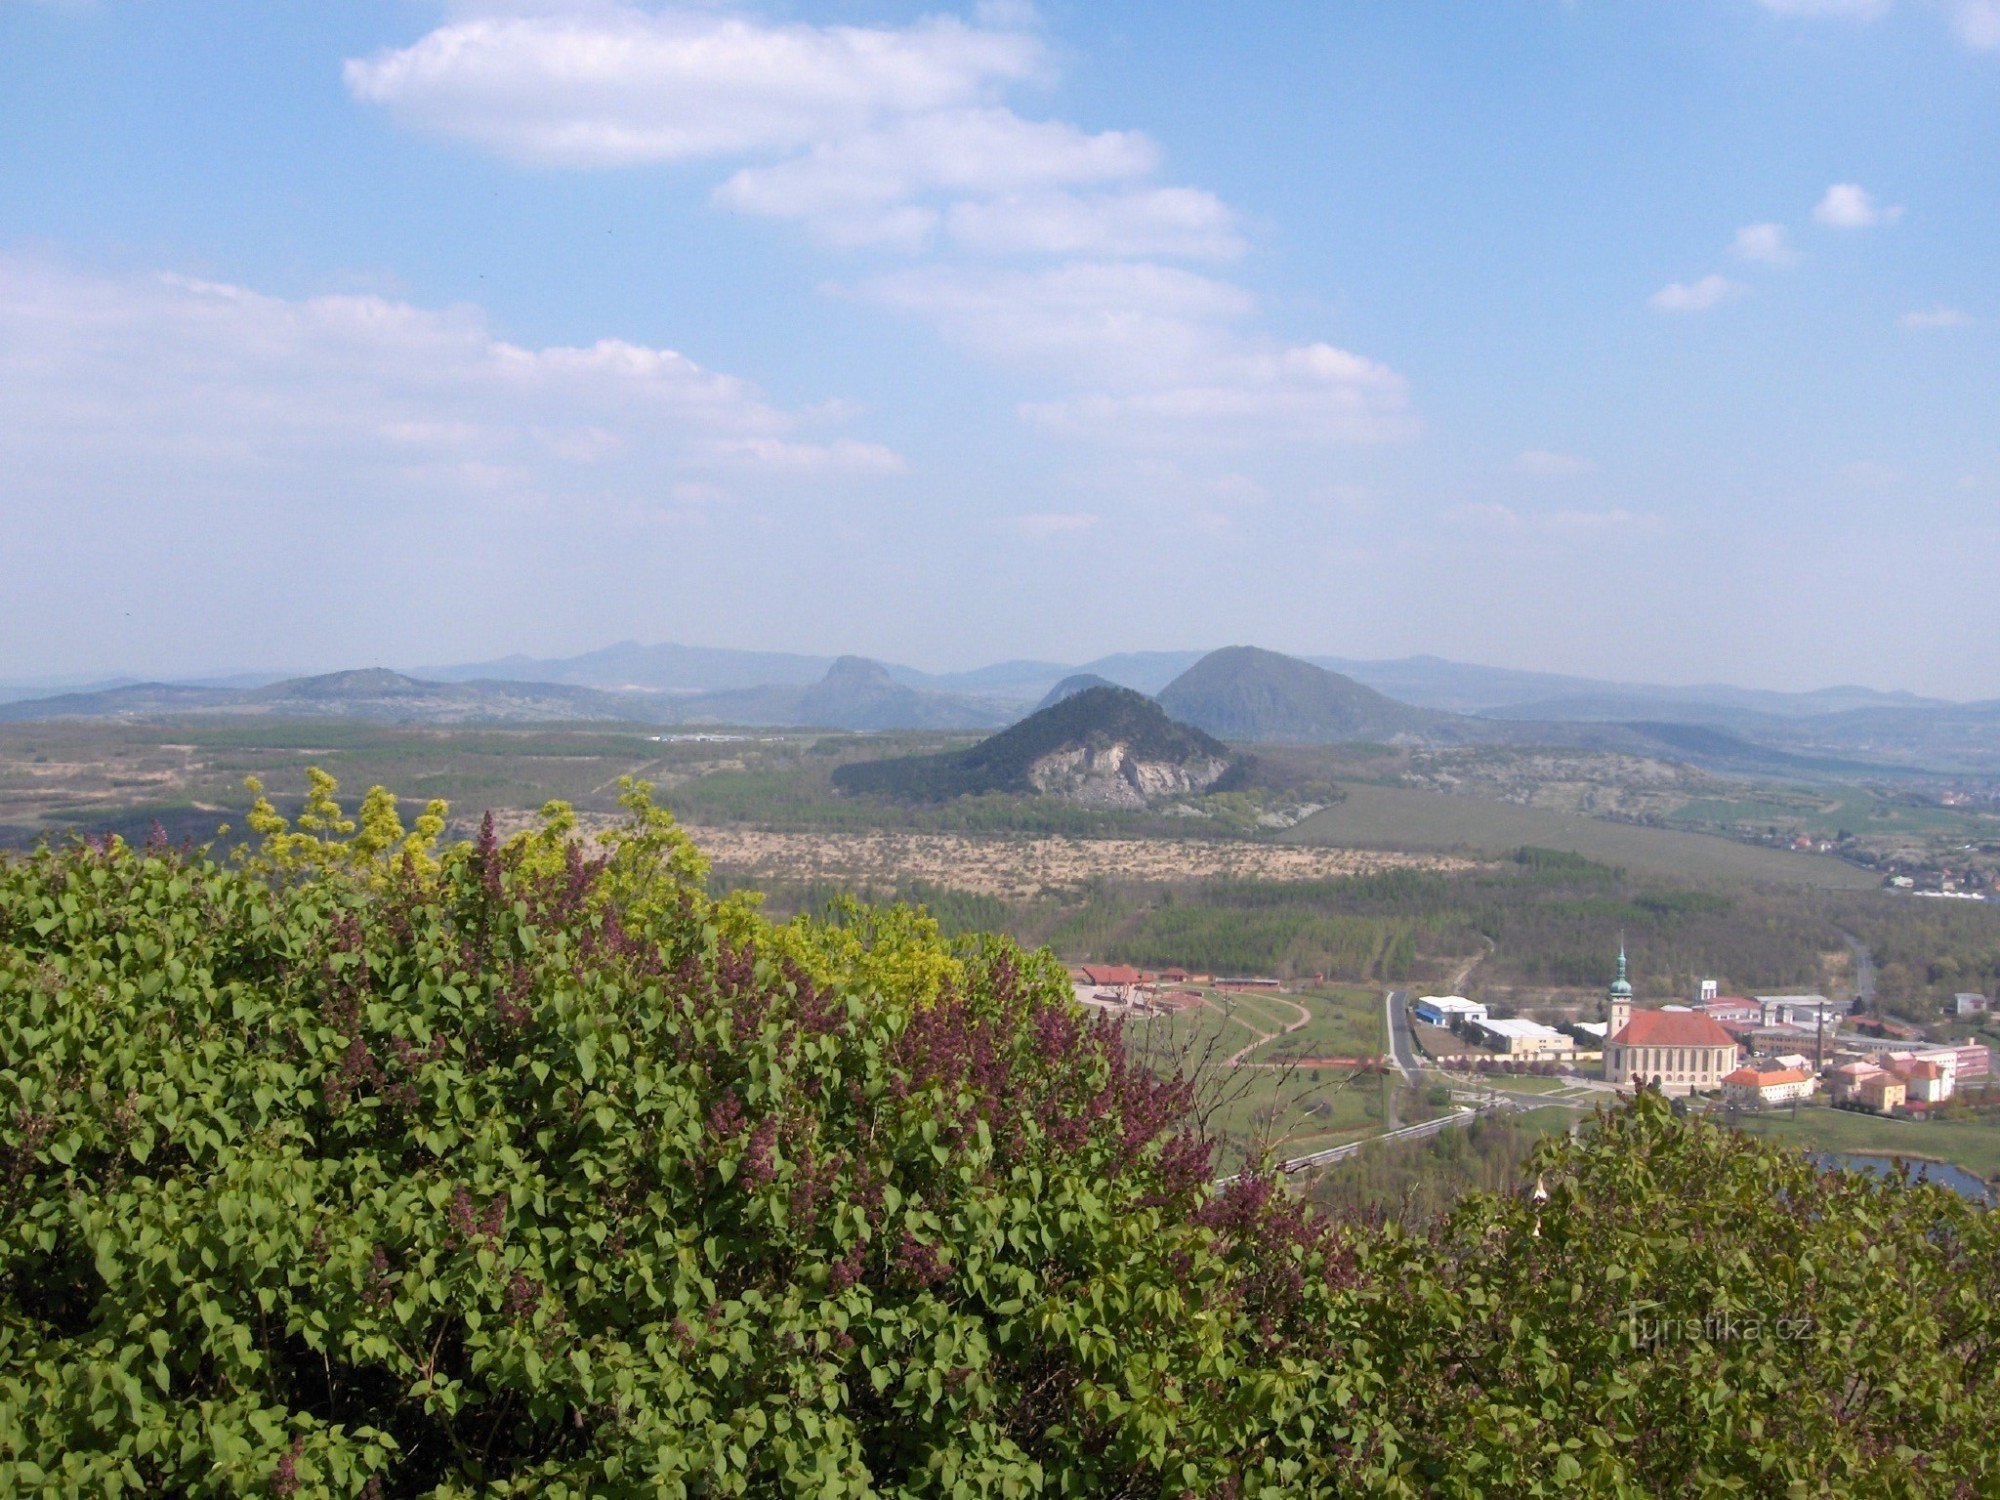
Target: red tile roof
{"x": 1751, "y": 1078}
{"x": 1111, "y": 974}
{"x": 1673, "y": 1028}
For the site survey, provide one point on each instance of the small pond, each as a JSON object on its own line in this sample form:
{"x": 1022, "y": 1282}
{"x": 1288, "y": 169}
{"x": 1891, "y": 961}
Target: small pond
{"x": 1960, "y": 1181}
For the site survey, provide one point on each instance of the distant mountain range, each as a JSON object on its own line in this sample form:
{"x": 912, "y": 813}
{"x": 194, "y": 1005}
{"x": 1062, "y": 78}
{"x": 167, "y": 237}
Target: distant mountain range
{"x": 1242, "y": 694}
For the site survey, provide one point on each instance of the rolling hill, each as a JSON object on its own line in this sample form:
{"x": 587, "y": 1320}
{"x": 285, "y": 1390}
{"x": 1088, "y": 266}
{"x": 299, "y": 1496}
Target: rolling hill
{"x": 1244, "y": 693}
{"x": 374, "y": 694}
{"x": 1101, "y": 747}
{"x": 1069, "y": 687}
{"x": 855, "y": 693}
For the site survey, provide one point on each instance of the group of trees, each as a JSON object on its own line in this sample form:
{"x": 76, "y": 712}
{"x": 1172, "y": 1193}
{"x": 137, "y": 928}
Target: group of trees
{"x": 1927, "y": 951}
{"x": 370, "y": 1166}
{"x": 1552, "y": 918}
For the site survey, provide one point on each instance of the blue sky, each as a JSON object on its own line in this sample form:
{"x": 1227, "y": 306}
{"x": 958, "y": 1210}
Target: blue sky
{"x": 1647, "y": 340}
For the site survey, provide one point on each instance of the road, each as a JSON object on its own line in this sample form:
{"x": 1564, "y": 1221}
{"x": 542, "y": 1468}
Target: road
{"x": 1340, "y": 1153}
{"x": 1402, "y": 1046}
{"x": 1864, "y": 971}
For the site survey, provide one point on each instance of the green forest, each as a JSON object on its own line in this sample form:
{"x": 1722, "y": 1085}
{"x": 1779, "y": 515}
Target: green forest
{"x": 372, "y": 1165}
{"x": 1553, "y": 919}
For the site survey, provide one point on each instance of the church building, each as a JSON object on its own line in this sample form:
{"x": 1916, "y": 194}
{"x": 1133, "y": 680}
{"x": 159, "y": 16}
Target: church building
{"x": 1679, "y": 1051}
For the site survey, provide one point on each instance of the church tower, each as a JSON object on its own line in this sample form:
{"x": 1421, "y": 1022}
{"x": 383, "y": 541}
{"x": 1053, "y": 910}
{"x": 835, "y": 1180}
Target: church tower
{"x": 1618, "y": 999}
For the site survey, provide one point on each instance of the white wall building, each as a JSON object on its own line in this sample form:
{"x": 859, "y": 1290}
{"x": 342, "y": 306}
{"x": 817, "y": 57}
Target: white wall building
{"x": 1799, "y": 1010}
{"x": 1441, "y": 1010}
{"x": 1749, "y": 1088}
{"x": 1519, "y": 1038}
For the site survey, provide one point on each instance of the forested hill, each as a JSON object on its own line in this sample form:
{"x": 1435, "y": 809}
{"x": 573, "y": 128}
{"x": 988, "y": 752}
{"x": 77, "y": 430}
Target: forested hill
{"x": 1247, "y": 694}
{"x": 1098, "y": 735}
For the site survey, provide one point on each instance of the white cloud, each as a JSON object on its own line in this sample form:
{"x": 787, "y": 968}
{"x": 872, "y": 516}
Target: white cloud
{"x": 615, "y": 85}
{"x": 900, "y": 139}
{"x": 1051, "y": 525}
{"x": 860, "y": 188}
{"x": 1569, "y": 524}
{"x": 1977, "y": 23}
{"x": 1939, "y": 316}
{"x": 1541, "y": 461}
{"x": 1156, "y": 353}
{"x": 1144, "y": 222}
{"x": 1613, "y": 522}
{"x": 1694, "y": 296}
{"x": 1108, "y": 321}
{"x": 1860, "y": 10}
{"x": 1764, "y": 245}
{"x": 871, "y": 137}
{"x": 1868, "y": 474}
{"x": 1847, "y": 205}
{"x": 175, "y": 389}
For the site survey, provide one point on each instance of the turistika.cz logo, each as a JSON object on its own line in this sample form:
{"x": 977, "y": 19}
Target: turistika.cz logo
{"x": 1648, "y": 1328}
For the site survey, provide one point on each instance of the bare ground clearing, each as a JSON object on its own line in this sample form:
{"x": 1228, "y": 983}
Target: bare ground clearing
{"x": 1024, "y": 867}
{"x": 1013, "y": 867}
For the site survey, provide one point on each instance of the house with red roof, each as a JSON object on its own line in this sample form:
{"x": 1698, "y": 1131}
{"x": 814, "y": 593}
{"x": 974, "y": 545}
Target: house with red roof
{"x": 1121, "y": 979}
{"x": 1749, "y": 1089}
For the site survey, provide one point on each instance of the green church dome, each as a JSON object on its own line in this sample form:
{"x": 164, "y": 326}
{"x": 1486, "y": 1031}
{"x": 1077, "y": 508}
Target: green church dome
{"x": 1621, "y": 988}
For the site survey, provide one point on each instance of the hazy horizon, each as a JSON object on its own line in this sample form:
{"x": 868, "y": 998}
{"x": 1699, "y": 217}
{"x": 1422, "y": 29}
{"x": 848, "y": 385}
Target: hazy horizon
{"x": 71, "y": 681}
{"x": 1650, "y": 344}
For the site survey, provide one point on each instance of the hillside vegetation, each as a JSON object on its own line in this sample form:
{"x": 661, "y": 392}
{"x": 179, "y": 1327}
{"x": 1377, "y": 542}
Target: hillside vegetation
{"x": 370, "y": 1167}
{"x": 1110, "y": 734}
{"x": 1247, "y": 694}
{"x": 1552, "y": 919}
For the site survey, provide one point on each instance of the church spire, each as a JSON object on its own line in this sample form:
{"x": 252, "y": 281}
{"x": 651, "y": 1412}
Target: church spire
{"x": 1621, "y": 987}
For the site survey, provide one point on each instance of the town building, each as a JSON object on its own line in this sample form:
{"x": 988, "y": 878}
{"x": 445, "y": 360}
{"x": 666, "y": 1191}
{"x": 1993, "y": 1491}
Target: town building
{"x": 1521, "y": 1038}
{"x": 1845, "y": 1082}
{"x": 1884, "y": 1093}
{"x": 1738, "y": 1008}
{"x": 1747, "y": 1088}
{"x": 1974, "y": 1060}
{"x": 1925, "y": 1081}
{"x": 1966, "y": 1003}
{"x": 1442, "y": 1010}
{"x": 1111, "y": 979}
{"x": 1681, "y": 1051}
{"x": 1799, "y": 1010}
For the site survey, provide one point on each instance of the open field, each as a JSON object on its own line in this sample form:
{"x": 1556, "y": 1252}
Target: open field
{"x": 1388, "y": 817}
{"x": 116, "y": 776}
{"x": 1827, "y": 812}
{"x": 1971, "y": 1144}
{"x": 1304, "y": 1115}
{"x": 1346, "y": 1022}
{"x": 1236, "y": 1044}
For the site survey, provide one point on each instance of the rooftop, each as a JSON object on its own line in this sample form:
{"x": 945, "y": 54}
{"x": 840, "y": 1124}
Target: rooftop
{"x": 1522, "y": 1028}
{"x": 1111, "y": 974}
{"x": 1663, "y": 1028}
